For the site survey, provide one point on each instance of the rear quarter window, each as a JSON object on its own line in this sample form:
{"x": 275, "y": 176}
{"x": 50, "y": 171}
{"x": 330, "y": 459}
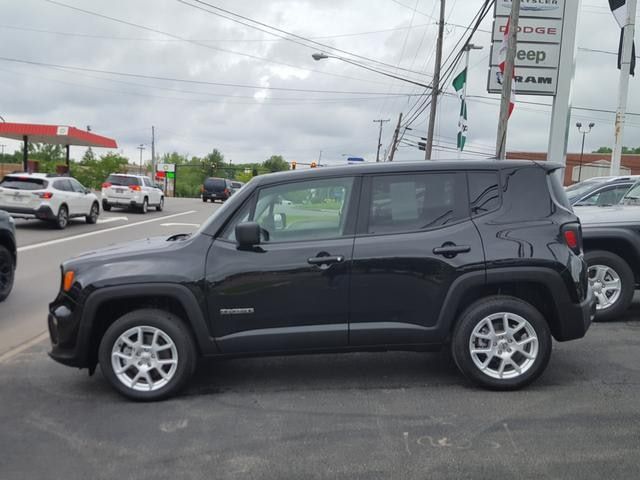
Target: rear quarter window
{"x": 23, "y": 183}
{"x": 526, "y": 194}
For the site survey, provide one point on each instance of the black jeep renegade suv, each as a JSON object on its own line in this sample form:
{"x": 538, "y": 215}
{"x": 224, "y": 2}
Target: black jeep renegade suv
{"x": 483, "y": 256}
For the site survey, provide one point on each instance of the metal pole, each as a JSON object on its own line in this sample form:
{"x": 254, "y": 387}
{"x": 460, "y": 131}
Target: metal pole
{"x": 25, "y": 153}
{"x": 395, "y": 139}
{"x": 67, "y": 160}
{"x": 141, "y": 148}
{"x": 436, "y": 85}
{"x": 381, "y": 121}
{"x": 623, "y": 89}
{"x": 584, "y": 134}
{"x": 153, "y": 151}
{"x": 561, "y": 112}
{"x": 507, "y": 81}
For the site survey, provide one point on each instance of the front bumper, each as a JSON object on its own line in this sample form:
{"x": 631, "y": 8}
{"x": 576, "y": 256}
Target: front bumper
{"x": 43, "y": 212}
{"x": 68, "y": 345}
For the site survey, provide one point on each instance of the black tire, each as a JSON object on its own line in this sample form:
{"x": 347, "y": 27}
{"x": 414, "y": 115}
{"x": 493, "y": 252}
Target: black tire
{"x": 204, "y": 199}
{"x": 144, "y": 208}
{"x": 474, "y": 315}
{"x": 92, "y": 218}
{"x": 160, "y": 206}
{"x": 106, "y": 207}
{"x": 170, "y": 325}
{"x": 624, "y": 272}
{"x": 7, "y": 272}
{"x": 62, "y": 219}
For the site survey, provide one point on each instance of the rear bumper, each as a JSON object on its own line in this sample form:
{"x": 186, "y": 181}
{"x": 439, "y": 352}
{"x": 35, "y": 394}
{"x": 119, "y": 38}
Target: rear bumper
{"x": 121, "y": 202}
{"x": 43, "y": 212}
{"x": 215, "y": 196}
{"x": 577, "y": 318}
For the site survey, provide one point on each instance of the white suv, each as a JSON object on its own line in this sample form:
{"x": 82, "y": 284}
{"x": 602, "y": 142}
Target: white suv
{"x": 47, "y": 197}
{"x": 131, "y": 191}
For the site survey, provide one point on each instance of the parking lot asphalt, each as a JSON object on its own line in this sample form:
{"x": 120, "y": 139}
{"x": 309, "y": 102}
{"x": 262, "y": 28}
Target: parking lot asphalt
{"x": 365, "y": 415}
{"x": 41, "y": 250}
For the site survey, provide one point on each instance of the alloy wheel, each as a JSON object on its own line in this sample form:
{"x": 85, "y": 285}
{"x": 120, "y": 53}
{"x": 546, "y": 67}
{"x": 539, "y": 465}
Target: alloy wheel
{"x": 606, "y": 285}
{"x": 144, "y": 358}
{"x": 503, "y": 345}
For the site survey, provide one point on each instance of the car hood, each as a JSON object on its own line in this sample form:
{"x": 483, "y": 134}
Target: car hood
{"x": 614, "y": 214}
{"x": 145, "y": 247}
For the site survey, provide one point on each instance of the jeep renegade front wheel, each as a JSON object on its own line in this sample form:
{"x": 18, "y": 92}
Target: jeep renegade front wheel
{"x": 501, "y": 343}
{"x": 147, "y": 355}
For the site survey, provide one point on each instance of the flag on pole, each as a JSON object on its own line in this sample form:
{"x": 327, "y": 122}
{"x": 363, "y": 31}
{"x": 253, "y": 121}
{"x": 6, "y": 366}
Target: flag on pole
{"x": 502, "y": 55}
{"x": 619, "y": 10}
{"x": 459, "y": 83}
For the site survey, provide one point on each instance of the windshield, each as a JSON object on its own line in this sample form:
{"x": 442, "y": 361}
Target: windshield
{"x": 23, "y": 183}
{"x": 575, "y": 191}
{"x": 632, "y": 197}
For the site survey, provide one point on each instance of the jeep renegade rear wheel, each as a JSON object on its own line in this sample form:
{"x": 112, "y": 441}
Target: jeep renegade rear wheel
{"x": 612, "y": 282}
{"x": 147, "y": 355}
{"x": 501, "y": 343}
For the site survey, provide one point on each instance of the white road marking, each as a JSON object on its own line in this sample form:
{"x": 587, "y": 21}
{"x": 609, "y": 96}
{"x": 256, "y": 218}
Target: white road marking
{"x": 179, "y": 224}
{"x": 112, "y": 219}
{"x": 23, "y": 346}
{"x": 98, "y": 232}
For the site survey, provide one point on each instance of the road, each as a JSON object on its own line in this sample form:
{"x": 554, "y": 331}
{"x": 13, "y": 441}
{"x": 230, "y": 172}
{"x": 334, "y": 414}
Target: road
{"x": 351, "y": 416}
{"x": 41, "y": 249}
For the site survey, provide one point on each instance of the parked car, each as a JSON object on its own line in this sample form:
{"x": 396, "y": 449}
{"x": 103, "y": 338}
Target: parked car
{"x": 47, "y": 197}
{"x": 8, "y": 254}
{"x": 485, "y": 257}
{"x": 235, "y": 186}
{"x": 216, "y": 189}
{"x": 612, "y": 251}
{"x": 136, "y": 192}
{"x": 600, "y": 191}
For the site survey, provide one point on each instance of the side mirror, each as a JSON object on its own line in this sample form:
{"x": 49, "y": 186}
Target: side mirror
{"x": 248, "y": 234}
{"x": 87, "y": 191}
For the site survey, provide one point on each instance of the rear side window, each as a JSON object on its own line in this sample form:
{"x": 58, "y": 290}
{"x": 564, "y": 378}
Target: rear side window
{"x": 484, "y": 192}
{"x": 23, "y": 183}
{"x": 406, "y": 203}
{"x": 123, "y": 180}
{"x": 63, "y": 185}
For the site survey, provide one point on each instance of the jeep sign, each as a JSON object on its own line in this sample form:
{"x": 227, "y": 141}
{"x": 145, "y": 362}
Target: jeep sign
{"x": 531, "y": 54}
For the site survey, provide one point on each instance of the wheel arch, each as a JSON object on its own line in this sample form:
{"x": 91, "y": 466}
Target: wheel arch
{"x": 105, "y": 305}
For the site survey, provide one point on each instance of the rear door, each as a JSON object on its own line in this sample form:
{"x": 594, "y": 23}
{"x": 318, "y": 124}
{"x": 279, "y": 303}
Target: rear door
{"x": 64, "y": 194}
{"x": 414, "y": 239}
{"x": 152, "y": 192}
{"x": 81, "y": 197}
{"x": 290, "y": 292}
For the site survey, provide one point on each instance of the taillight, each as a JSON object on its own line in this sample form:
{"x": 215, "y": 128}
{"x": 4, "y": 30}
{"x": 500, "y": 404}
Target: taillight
{"x": 135, "y": 188}
{"x": 572, "y": 235}
{"x": 106, "y": 185}
{"x": 45, "y": 195}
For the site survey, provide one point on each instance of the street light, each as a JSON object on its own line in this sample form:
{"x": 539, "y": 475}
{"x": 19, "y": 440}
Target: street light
{"x": 323, "y": 56}
{"x": 584, "y": 134}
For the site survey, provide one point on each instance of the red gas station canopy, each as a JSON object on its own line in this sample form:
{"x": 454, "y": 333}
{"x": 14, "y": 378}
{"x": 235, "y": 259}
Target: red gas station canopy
{"x": 54, "y": 135}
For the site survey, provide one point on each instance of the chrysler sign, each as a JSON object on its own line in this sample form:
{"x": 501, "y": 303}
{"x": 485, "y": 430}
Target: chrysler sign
{"x": 533, "y": 8}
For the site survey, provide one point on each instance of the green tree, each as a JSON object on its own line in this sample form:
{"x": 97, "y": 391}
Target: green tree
{"x": 275, "y": 163}
{"x": 625, "y": 150}
{"x": 92, "y": 171}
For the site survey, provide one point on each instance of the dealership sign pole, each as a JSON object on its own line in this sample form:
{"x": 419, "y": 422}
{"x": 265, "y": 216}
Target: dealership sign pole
{"x": 544, "y": 61}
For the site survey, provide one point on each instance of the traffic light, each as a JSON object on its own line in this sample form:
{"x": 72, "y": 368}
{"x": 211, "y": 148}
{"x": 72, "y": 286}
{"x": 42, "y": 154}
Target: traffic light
{"x": 313, "y": 165}
{"x": 293, "y": 165}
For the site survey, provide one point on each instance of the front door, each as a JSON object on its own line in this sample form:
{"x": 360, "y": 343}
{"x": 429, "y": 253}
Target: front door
{"x": 414, "y": 239}
{"x": 290, "y": 292}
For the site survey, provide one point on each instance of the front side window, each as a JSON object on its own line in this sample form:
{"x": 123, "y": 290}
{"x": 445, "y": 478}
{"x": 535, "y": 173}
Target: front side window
{"x": 76, "y": 186}
{"x": 407, "y": 203}
{"x": 310, "y": 210}
{"x": 607, "y": 196}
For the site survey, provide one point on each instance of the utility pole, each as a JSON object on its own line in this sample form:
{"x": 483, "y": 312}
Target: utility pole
{"x": 381, "y": 121}
{"x": 623, "y": 89}
{"x": 435, "y": 88}
{"x": 141, "y": 148}
{"x": 394, "y": 145}
{"x": 3, "y": 145}
{"x": 507, "y": 81}
{"x": 320, "y": 158}
{"x": 153, "y": 151}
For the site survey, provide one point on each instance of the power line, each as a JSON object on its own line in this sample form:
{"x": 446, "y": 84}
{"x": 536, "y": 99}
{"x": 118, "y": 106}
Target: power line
{"x": 278, "y": 32}
{"x": 201, "y": 44}
{"x": 197, "y": 82}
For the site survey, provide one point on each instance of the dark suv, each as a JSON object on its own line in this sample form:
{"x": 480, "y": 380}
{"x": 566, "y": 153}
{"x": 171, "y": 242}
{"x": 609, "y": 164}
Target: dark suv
{"x": 8, "y": 254}
{"x": 216, "y": 189}
{"x": 485, "y": 257}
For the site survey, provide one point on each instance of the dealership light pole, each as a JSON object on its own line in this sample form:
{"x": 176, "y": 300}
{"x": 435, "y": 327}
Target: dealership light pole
{"x": 141, "y": 148}
{"x": 584, "y": 134}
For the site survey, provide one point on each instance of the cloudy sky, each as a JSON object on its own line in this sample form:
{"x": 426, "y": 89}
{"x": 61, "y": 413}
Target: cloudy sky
{"x": 275, "y": 98}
